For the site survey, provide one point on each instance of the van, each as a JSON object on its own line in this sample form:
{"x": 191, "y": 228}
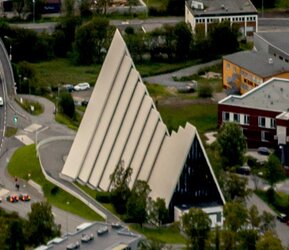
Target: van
{"x": 1, "y": 101}
{"x": 82, "y": 86}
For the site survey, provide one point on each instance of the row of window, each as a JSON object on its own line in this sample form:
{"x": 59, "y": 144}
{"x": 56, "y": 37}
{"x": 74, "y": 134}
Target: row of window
{"x": 244, "y": 119}
{"x": 232, "y": 19}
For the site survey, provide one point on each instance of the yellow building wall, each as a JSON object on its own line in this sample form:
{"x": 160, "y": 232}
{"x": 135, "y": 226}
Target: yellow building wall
{"x": 229, "y": 69}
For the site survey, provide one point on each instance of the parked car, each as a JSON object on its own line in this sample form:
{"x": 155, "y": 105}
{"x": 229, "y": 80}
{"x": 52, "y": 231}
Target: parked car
{"x": 263, "y": 151}
{"x": 73, "y": 245}
{"x": 12, "y": 198}
{"x": 87, "y": 237}
{"x": 282, "y": 218}
{"x": 102, "y": 230}
{"x": 24, "y": 197}
{"x": 82, "y": 86}
{"x": 1, "y": 101}
{"x": 68, "y": 87}
{"x": 116, "y": 225}
{"x": 244, "y": 170}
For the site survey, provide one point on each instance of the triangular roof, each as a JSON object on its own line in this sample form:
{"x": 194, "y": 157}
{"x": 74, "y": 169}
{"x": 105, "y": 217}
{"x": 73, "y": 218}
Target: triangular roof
{"x": 121, "y": 123}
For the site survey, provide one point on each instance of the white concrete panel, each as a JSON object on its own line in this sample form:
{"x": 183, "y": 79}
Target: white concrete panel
{"x": 123, "y": 135}
{"x": 152, "y": 153}
{"x": 116, "y": 122}
{"x": 143, "y": 144}
{"x": 170, "y": 162}
{"x": 136, "y": 131}
{"x": 104, "y": 121}
{"x": 95, "y": 107}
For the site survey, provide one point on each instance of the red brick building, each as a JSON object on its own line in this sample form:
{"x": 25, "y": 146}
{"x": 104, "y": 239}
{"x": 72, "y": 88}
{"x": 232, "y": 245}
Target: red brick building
{"x": 263, "y": 114}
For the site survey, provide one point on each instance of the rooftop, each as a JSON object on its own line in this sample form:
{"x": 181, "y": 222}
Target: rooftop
{"x": 221, "y": 7}
{"x": 272, "y": 95}
{"x": 258, "y": 62}
{"x": 114, "y": 237}
{"x": 277, "y": 39}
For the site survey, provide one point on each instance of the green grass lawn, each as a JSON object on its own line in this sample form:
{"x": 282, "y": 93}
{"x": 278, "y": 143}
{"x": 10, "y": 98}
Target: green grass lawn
{"x": 202, "y": 116}
{"x": 169, "y": 235}
{"x": 61, "y": 71}
{"x": 24, "y": 162}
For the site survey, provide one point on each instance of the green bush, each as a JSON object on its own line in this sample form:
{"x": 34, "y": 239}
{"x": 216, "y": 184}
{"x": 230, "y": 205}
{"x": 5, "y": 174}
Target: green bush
{"x": 205, "y": 90}
{"x": 103, "y": 197}
{"x": 54, "y": 190}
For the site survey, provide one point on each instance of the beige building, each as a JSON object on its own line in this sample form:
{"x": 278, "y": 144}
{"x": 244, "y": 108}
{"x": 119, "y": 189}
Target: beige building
{"x": 122, "y": 124}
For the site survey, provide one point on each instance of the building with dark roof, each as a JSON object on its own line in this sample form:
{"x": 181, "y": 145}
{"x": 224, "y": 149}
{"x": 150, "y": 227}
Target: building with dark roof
{"x": 96, "y": 236}
{"x": 204, "y": 13}
{"x": 275, "y": 44}
{"x": 122, "y": 125}
{"x": 263, "y": 114}
{"x": 245, "y": 70}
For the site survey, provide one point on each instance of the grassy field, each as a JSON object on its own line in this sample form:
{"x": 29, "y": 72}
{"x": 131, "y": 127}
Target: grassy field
{"x": 169, "y": 235}
{"x": 61, "y": 71}
{"x": 202, "y": 116}
{"x": 24, "y": 162}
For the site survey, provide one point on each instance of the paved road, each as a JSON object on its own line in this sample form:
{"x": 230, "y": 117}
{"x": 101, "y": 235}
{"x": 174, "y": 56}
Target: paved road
{"x": 167, "y": 79}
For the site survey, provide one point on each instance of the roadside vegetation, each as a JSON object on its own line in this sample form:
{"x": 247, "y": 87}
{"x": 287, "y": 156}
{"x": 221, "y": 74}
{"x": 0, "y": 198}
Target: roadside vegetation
{"x": 30, "y": 169}
{"x": 34, "y": 108}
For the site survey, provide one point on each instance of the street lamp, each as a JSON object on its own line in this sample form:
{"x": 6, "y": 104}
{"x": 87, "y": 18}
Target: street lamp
{"x": 67, "y": 203}
{"x": 10, "y": 47}
{"x": 33, "y": 1}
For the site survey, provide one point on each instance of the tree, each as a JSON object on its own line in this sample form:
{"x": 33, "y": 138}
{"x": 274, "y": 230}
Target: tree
{"x": 15, "y": 237}
{"x": 183, "y": 36}
{"x": 267, "y": 222}
{"x": 41, "y": 226}
{"x": 137, "y": 203}
{"x": 234, "y": 187}
{"x": 253, "y": 216}
{"x": 66, "y": 104}
{"x": 68, "y": 7}
{"x": 120, "y": 191}
{"x": 269, "y": 241}
{"x": 18, "y": 6}
{"x": 91, "y": 41}
{"x": 158, "y": 213}
{"x": 248, "y": 239}
{"x": 232, "y": 144}
{"x": 135, "y": 44}
{"x": 236, "y": 216}
{"x": 223, "y": 38}
{"x": 274, "y": 170}
{"x": 196, "y": 225}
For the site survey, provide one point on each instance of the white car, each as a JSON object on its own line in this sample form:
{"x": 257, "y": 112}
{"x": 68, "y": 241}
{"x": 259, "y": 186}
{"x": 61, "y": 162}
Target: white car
{"x": 82, "y": 86}
{"x": 1, "y": 101}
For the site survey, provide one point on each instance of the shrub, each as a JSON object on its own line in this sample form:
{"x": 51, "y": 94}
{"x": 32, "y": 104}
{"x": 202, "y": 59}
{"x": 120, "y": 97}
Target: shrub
{"x": 54, "y": 190}
{"x": 103, "y": 197}
{"x": 205, "y": 90}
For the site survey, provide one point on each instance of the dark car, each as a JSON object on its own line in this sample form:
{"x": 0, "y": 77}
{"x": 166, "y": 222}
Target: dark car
{"x": 86, "y": 237}
{"x": 12, "y": 198}
{"x": 264, "y": 151}
{"x": 282, "y": 218}
{"x": 24, "y": 197}
{"x": 68, "y": 87}
{"x": 244, "y": 170}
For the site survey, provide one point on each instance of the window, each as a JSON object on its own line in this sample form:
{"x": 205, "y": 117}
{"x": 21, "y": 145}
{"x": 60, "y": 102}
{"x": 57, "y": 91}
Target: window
{"x": 226, "y": 116}
{"x": 261, "y": 122}
{"x": 228, "y": 65}
{"x": 236, "y": 118}
{"x": 246, "y": 119}
{"x": 264, "y": 136}
{"x": 272, "y": 123}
